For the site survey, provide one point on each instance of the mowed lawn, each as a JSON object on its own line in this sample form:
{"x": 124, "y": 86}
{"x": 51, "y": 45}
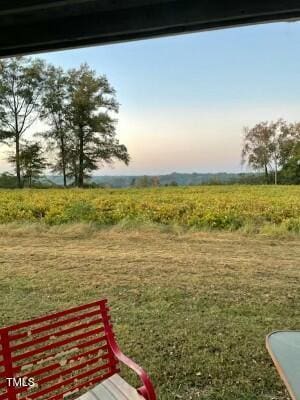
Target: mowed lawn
{"x": 192, "y": 308}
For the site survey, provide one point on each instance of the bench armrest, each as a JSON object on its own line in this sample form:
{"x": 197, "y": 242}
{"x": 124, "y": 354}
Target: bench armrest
{"x": 147, "y": 390}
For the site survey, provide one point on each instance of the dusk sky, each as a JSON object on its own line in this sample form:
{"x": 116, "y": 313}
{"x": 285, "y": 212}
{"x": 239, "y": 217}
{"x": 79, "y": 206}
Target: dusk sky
{"x": 185, "y": 99}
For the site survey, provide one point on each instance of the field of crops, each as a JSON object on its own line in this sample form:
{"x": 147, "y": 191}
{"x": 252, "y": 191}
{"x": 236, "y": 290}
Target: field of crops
{"x": 256, "y": 208}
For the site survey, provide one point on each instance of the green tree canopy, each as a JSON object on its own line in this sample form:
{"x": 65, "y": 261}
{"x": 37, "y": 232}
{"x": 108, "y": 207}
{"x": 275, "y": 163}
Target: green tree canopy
{"x": 55, "y": 103}
{"x": 21, "y": 86}
{"x": 90, "y": 118}
{"x": 32, "y": 162}
{"x": 265, "y": 146}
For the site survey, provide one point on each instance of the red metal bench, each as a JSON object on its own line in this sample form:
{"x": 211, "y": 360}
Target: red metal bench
{"x": 71, "y": 354}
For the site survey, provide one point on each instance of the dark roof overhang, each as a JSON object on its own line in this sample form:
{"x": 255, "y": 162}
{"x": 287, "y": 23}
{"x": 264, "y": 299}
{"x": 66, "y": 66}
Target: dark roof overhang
{"x": 28, "y": 26}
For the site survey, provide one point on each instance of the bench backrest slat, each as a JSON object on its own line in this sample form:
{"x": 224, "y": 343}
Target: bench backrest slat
{"x": 65, "y": 353}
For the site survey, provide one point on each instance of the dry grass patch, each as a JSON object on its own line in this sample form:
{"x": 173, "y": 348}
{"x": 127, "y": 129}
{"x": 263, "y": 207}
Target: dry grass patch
{"x": 192, "y": 308}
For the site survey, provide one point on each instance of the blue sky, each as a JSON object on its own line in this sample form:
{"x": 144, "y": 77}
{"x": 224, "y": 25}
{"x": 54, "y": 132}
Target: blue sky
{"x": 185, "y": 99}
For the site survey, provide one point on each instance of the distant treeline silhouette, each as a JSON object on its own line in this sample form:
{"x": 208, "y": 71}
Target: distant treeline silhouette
{"x": 79, "y": 107}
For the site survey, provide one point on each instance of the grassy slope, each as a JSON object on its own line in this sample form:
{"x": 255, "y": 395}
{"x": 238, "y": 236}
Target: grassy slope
{"x": 193, "y": 309}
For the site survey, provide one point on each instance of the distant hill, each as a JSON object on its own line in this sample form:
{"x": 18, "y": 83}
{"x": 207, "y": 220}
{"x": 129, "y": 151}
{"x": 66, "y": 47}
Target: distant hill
{"x": 175, "y": 178}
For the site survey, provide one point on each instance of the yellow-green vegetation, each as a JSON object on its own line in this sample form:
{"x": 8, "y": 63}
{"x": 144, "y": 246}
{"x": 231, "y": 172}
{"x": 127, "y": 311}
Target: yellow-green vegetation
{"x": 248, "y": 208}
{"x": 192, "y": 308}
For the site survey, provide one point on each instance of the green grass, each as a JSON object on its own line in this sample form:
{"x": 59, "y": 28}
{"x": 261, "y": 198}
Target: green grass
{"x": 192, "y": 308}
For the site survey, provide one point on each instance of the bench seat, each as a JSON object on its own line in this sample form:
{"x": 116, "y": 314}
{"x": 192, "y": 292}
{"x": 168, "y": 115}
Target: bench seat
{"x": 113, "y": 388}
{"x": 69, "y": 354}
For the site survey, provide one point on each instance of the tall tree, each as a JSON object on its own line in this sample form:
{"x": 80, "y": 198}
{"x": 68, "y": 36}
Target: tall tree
{"x": 263, "y": 146}
{"x": 256, "y": 147}
{"x": 290, "y": 172}
{"x": 55, "y": 102}
{"x": 277, "y": 131}
{"x": 92, "y": 104}
{"x": 31, "y": 160}
{"x": 290, "y": 142}
{"x": 291, "y": 154}
{"x": 21, "y": 85}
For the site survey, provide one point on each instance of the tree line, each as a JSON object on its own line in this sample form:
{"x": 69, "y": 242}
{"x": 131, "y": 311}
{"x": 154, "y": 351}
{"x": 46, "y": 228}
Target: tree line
{"x": 77, "y": 106}
{"x": 274, "y": 147}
